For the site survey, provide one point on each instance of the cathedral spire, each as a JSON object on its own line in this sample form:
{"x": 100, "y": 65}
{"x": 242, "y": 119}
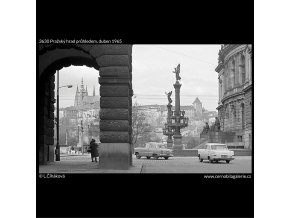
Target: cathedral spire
{"x": 82, "y": 84}
{"x": 76, "y": 103}
{"x": 94, "y": 91}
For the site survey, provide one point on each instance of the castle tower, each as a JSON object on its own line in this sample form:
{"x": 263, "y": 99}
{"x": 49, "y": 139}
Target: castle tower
{"x": 197, "y": 106}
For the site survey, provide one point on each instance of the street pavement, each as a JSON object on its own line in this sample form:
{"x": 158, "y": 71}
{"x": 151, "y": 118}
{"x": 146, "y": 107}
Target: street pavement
{"x": 241, "y": 164}
{"x": 83, "y": 164}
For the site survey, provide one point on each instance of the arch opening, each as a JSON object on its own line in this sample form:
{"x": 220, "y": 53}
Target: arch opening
{"x": 106, "y": 119}
{"x": 79, "y": 108}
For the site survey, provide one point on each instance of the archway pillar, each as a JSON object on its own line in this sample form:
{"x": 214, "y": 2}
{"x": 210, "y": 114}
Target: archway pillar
{"x": 115, "y": 110}
{"x": 46, "y": 121}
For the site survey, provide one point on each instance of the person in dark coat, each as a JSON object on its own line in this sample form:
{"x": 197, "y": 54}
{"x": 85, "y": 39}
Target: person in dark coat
{"x": 94, "y": 150}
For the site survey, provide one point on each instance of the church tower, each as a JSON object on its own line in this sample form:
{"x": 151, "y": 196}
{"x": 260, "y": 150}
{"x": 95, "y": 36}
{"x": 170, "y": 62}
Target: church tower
{"x": 82, "y": 91}
{"x": 77, "y": 97}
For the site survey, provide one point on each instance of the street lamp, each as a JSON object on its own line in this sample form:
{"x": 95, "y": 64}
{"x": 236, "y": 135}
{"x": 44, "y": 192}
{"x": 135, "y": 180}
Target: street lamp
{"x": 57, "y": 149}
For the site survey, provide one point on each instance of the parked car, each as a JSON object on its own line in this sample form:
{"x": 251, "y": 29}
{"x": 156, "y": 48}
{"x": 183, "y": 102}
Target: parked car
{"x": 215, "y": 152}
{"x": 153, "y": 149}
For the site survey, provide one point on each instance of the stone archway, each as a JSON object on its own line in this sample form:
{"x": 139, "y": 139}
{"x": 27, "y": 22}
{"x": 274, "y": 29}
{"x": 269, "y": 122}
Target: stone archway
{"x": 114, "y": 63}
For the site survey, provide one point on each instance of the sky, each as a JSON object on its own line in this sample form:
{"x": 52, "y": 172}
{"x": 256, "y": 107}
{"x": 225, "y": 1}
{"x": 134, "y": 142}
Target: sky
{"x": 152, "y": 72}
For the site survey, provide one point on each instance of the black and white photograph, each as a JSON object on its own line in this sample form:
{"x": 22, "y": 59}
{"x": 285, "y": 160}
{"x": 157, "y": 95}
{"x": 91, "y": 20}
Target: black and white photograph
{"x": 144, "y": 110}
{"x": 146, "y": 123}
{"x": 151, "y": 108}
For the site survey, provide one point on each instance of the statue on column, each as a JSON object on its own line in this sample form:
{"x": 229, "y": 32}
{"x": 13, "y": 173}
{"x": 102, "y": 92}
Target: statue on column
{"x": 177, "y": 71}
{"x": 169, "y": 96}
{"x": 182, "y": 113}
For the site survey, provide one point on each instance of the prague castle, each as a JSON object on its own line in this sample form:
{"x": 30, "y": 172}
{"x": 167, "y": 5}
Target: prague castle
{"x": 82, "y": 98}
{"x": 235, "y": 91}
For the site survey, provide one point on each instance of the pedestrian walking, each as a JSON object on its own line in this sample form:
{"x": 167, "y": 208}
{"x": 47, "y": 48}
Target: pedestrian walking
{"x": 94, "y": 150}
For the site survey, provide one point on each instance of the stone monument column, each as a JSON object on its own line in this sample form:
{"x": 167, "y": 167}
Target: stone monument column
{"x": 169, "y": 121}
{"x": 177, "y": 136}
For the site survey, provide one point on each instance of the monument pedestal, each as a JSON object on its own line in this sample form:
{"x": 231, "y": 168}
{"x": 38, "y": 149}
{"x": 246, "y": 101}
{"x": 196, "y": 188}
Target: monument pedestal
{"x": 169, "y": 143}
{"x": 177, "y": 142}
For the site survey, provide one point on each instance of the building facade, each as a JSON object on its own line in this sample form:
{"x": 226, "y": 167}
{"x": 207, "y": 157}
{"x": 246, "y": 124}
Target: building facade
{"x": 235, "y": 91}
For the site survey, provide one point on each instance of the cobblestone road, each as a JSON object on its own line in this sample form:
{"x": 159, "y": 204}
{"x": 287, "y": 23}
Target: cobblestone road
{"x": 82, "y": 163}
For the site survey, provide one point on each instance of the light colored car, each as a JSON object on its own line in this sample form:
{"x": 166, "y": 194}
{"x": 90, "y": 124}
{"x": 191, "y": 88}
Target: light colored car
{"x": 153, "y": 149}
{"x": 215, "y": 152}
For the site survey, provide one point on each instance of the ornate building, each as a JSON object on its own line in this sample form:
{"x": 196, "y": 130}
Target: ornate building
{"x": 82, "y": 98}
{"x": 235, "y": 91}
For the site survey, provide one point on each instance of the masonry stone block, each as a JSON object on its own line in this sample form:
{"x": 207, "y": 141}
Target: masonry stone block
{"x": 113, "y": 60}
{"x": 114, "y": 114}
{"x": 114, "y": 125}
{"x": 112, "y": 91}
{"x": 114, "y": 137}
{"x": 50, "y": 123}
{"x": 51, "y": 115}
{"x": 120, "y": 71}
{"x": 49, "y": 140}
{"x": 114, "y": 102}
{"x": 49, "y": 132}
{"x": 114, "y": 81}
{"x": 107, "y": 49}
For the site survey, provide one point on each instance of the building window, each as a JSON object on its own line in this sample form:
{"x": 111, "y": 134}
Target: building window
{"x": 226, "y": 80}
{"x": 242, "y": 68}
{"x": 220, "y": 89}
{"x": 243, "y": 115}
{"x": 240, "y": 138}
{"x": 233, "y": 73}
{"x": 233, "y": 110}
{"x": 227, "y": 112}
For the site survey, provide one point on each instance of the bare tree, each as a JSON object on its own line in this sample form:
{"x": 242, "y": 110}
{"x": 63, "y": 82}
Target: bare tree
{"x": 139, "y": 124}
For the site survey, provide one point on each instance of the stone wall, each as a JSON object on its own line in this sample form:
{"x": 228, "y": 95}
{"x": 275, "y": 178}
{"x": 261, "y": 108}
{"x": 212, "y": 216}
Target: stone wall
{"x": 218, "y": 137}
{"x": 233, "y": 119}
{"x": 46, "y": 120}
